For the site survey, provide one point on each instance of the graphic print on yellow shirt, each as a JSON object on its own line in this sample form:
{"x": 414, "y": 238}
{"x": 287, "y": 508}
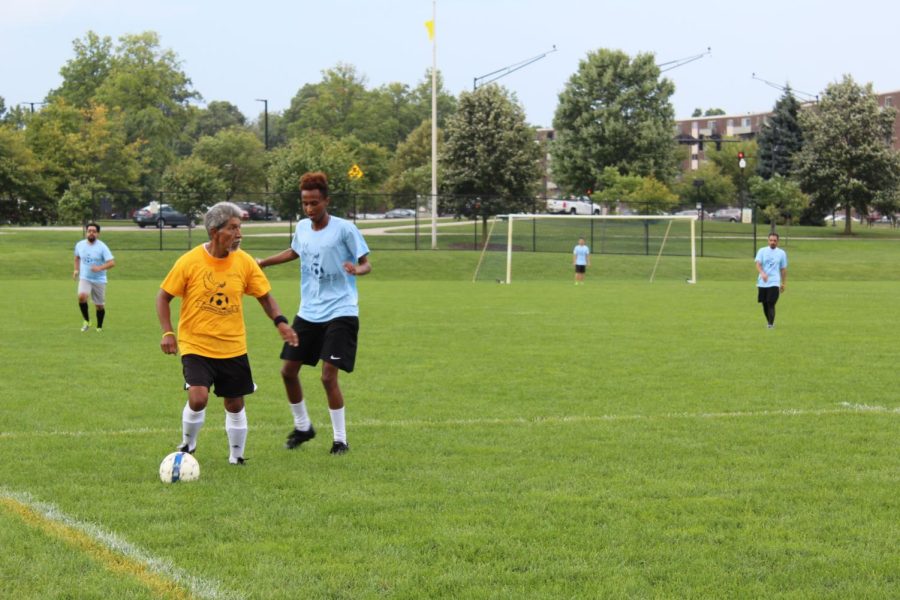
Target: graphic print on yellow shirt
{"x": 211, "y": 289}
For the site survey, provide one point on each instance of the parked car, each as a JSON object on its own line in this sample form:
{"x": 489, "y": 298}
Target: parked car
{"x": 832, "y": 219}
{"x": 694, "y": 212}
{"x": 160, "y": 216}
{"x": 400, "y": 213}
{"x": 730, "y": 215}
{"x": 257, "y": 212}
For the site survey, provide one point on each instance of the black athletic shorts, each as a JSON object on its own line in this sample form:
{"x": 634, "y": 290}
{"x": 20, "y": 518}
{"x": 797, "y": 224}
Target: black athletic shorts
{"x": 333, "y": 341}
{"x": 230, "y": 376}
{"x": 768, "y": 295}
{"x": 580, "y": 268}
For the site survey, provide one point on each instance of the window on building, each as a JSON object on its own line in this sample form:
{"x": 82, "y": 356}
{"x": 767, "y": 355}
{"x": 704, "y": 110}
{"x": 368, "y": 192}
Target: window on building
{"x": 746, "y": 121}
{"x": 889, "y": 101}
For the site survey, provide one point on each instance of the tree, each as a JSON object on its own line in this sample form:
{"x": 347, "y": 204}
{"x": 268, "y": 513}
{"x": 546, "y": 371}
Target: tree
{"x": 728, "y": 162}
{"x": 217, "y": 115}
{"x": 86, "y": 72}
{"x": 410, "y": 167}
{"x": 24, "y": 193}
{"x": 491, "y": 153}
{"x": 780, "y": 138}
{"x": 193, "y": 185}
{"x": 78, "y": 204}
{"x": 314, "y": 152}
{"x": 149, "y": 87}
{"x": 647, "y": 193}
{"x": 614, "y": 112}
{"x": 83, "y": 144}
{"x": 778, "y": 198}
{"x": 239, "y": 158}
{"x": 707, "y": 186}
{"x": 847, "y": 159}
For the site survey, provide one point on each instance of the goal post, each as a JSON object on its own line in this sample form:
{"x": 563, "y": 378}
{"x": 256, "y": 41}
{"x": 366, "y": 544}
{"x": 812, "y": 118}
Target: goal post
{"x": 653, "y": 228}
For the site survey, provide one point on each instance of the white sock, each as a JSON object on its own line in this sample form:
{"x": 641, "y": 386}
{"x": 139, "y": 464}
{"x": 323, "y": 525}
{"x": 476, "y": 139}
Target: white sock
{"x": 337, "y": 423}
{"x": 236, "y": 428}
{"x": 301, "y": 417}
{"x": 191, "y": 422}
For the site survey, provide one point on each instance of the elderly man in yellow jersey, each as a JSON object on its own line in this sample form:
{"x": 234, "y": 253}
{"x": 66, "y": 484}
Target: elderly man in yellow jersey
{"x": 211, "y": 281}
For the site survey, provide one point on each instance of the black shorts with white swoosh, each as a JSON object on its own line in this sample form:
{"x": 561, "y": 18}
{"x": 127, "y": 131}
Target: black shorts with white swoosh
{"x": 333, "y": 341}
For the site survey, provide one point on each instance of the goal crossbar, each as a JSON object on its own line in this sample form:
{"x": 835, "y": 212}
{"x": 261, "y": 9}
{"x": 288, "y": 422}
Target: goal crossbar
{"x": 524, "y": 216}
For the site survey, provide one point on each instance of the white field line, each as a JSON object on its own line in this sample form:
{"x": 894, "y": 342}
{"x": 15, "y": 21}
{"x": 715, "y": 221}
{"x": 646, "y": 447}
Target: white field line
{"x": 843, "y": 408}
{"x": 198, "y": 587}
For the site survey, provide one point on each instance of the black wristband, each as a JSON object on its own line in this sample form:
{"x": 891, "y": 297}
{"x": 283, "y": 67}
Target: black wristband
{"x": 280, "y": 319}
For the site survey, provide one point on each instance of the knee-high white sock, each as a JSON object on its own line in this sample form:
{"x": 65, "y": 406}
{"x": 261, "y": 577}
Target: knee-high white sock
{"x": 337, "y": 423}
{"x": 236, "y": 428}
{"x": 191, "y": 422}
{"x": 301, "y": 417}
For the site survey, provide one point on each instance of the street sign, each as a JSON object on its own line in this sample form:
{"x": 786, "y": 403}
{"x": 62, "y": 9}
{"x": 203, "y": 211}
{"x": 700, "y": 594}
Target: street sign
{"x": 355, "y": 172}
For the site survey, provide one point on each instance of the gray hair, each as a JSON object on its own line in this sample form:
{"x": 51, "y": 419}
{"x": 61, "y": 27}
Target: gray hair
{"x": 219, "y": 214}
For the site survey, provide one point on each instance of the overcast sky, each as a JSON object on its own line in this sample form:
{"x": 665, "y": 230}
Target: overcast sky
{"x": 241, "y": 51}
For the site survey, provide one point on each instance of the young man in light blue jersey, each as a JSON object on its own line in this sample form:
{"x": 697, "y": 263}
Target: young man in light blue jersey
{"x": 332, "y": 255}
{"x": 771, "y": 265}
{"x": 581, "y": 258}
{"x": 92, "y": 260}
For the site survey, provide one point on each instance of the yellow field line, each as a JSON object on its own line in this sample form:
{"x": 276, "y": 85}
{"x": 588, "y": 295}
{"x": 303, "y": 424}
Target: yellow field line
{"x": 100, "y": 553}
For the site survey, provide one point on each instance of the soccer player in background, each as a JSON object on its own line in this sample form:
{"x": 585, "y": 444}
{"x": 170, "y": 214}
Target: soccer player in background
{"x": 92, "y": 260}
{"x": 211, "y": 281}
{"x": 771, "y": 265}
{"x": 581, "y": 258}
{"x": 332, "y": 255}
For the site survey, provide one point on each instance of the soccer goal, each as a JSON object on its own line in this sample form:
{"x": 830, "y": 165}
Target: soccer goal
{"x": 658, "y": 246}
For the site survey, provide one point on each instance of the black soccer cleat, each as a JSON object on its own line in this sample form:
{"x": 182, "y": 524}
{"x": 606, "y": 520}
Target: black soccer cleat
{"x": 340, "y": 448}
{"x": 240, "y": 462}
{"x": 184, "y": 448}
{"x": 297, "y": 437}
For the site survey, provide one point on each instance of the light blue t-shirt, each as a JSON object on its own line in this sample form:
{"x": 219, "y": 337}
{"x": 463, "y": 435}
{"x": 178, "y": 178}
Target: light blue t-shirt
{"x": 772, "y": 262}
{"x": 92, "y": 255}
{"x": 326, "y": 290}
{"x": 581, "y": 253}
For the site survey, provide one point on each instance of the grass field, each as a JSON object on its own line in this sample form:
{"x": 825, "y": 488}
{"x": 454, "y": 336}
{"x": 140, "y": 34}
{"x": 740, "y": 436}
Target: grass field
{"x": 537, "y": 440}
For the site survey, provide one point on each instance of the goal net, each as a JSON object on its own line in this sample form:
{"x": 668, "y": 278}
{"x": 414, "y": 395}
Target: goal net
{"x": 647, "y": 247}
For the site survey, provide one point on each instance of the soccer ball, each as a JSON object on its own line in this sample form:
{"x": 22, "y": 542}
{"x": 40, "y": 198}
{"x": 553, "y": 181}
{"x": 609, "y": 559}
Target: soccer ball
{"x": 179, "y": 466}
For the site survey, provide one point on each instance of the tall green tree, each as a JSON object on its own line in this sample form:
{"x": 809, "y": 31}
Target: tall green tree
{"x": 25, "y": 196}
{"x": 217, "y": 116}
{"x": 193, "y": 185}
{"x": 614, "y": 112}
{"x": 780, "y": 138}
{"x": 314, "y": 152}
{"x": 83, "y": 74}
{"x": 148, "y": 85}
{"x": 490, "y": 152}
{"x": 410, "y": 166}
{"x": 847, "y": 160}
{"x": 779, "y": 198}
{"x": 239, "y": 157}
{"x": 707, "y": 186}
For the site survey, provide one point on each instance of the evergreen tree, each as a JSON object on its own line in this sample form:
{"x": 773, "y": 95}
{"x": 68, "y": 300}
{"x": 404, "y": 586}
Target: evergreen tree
{"x": 780, "y": 138}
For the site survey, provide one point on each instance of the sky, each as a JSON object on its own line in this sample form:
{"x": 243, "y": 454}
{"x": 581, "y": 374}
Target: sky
{"x": 240, "y": 51}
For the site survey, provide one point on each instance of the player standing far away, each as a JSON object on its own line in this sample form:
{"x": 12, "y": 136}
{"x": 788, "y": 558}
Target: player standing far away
{"x": 92, "y": 260}
{"x": 771, "y": 264}
{"x": 332, "y": 254}
{"x": 581, "y": 258}
{"x": 211, "y": 281}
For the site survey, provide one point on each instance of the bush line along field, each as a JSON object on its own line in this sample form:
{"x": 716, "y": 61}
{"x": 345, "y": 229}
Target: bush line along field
{"x": 537, "y": 440}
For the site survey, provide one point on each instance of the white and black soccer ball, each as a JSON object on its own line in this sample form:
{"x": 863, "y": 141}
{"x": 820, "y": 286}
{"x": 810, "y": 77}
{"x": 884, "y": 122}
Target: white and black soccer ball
{"x": 179, "y": 466}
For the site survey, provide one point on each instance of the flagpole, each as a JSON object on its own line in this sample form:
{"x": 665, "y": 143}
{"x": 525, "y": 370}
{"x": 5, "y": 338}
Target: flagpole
{"x": 434, "y": 202}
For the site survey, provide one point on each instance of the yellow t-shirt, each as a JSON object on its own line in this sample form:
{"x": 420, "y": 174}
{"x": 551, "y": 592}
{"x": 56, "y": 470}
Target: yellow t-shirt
{"x": 211, "y": 290}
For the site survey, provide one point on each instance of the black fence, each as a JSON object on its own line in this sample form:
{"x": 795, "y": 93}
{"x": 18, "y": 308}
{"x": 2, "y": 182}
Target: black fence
{"x": 405, "y": 222}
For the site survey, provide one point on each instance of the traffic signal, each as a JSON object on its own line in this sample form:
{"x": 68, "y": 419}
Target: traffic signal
{"x": 740, "y": 155}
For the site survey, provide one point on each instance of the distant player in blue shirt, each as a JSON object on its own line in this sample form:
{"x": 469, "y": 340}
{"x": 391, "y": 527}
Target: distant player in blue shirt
{"x": 92, "y": 260}
{"x": 581, "y": 258}
{"x": 771, "y": 264}
{"x": 332, "y": 255}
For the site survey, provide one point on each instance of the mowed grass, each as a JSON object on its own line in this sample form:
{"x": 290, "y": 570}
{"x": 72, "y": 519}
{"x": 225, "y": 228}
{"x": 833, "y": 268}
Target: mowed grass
{"x": 619, "y": 439}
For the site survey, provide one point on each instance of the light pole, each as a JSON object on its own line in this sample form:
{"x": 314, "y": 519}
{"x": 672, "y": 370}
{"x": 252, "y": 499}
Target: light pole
{"x": 31, "y": 104}
{"x": 265, "y": 102}
{"x": 265, "y": 120}
{"x": 495, "y": 75}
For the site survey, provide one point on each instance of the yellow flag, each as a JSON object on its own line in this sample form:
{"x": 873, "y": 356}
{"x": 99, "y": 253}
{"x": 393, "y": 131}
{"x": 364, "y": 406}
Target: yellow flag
{"x": 429, "y": 25}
